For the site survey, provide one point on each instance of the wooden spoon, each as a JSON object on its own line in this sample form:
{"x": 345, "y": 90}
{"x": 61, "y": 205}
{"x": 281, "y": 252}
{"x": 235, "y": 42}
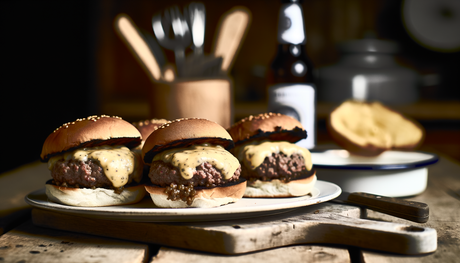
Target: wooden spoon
{"x": 230, "y": 35}
{"x": 133, "y": 38}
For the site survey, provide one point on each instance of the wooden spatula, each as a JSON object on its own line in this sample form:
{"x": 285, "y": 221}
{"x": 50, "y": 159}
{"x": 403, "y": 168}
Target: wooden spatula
{"x": 134, "y": 39}
{"x": 230, "y": 34}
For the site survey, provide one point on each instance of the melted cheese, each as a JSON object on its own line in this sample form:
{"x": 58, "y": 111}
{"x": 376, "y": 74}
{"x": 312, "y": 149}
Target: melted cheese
{"x": 117, "y": 162}
{"x": 253, "y": 155}
{"x": 187, "y": 159}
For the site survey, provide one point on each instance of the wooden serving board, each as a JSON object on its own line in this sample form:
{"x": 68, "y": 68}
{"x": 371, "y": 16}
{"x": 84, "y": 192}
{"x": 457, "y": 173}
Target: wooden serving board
{"x": 325, "y": 223}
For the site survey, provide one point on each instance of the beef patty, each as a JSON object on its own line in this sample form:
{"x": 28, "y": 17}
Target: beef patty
{"x": 73, "y": 173}
{"x": 278, "y": 166}
{"x": 164, "y": 174}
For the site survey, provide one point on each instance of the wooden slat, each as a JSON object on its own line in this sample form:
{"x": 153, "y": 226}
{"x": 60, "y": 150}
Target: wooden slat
{"x": 28, "y": 243}
{"x": 294, "y": 254}
{"x": 14, "y": 186}
{"x": 13, "y": 219}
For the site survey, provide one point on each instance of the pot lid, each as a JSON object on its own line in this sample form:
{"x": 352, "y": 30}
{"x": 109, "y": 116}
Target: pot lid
{"x": 369, "y": 45}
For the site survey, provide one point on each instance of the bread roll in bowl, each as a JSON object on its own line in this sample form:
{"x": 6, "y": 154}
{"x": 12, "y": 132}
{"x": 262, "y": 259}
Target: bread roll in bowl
{"x": 370, "y": 128}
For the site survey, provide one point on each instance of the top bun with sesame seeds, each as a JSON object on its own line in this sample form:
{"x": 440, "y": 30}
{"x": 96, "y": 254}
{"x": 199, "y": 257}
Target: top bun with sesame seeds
{"x": 185, "y": 132}
{"x": 146, "y": 127}
{"x": 92, "y": 164}
{"x": 273, "y": 165}
{"x": 190, "y": 165}
{"x": 267, "y": 126}
{"x": 90, "y": 132}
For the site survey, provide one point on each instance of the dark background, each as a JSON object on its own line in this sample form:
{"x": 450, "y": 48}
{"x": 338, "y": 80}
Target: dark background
{"x": 62, "y": 59}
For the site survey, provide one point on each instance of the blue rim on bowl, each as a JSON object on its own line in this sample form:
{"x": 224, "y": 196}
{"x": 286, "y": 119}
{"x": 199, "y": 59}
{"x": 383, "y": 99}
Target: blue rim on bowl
{"x": 389, "y": 160}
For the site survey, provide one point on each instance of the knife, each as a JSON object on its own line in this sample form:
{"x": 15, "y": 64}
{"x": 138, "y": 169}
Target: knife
{"x": 410, "y": 210}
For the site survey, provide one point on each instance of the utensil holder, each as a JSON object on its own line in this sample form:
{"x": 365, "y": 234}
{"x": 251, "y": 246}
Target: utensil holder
{"x": 211, "y": 99}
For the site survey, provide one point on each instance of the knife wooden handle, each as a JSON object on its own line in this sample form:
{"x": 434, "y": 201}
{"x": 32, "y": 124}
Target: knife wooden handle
{"x": 410, "y": 210}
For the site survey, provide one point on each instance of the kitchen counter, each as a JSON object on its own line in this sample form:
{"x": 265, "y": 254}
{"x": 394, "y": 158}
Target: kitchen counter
{"x": 23, "y": 240}
{"x": 422, "y": 111}
{"x": 441, "y": 119}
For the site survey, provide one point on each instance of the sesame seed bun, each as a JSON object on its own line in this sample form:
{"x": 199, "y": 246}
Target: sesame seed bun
{"x": 146, "y": 127}
{"x": 86, "y": 133}
{"x": 90, "y": 132}
{"x": 267, "y": 126}
{"x": 94, "y": 197}
{"x": 279, "y": 189}
{"x": 183, "y": 133}
{"x": 278, "y": 129}
{"x": 205, "y": 197}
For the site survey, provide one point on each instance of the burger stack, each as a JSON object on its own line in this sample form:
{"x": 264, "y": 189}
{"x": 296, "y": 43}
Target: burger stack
{"x": 92, "y": 164}
{"x": 190, "y": 165}
{"x": 271, "y": 161}
{"x": 190, "y": 162}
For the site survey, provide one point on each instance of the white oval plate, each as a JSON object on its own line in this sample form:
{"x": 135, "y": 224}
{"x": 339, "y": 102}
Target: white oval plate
{"x": 145, "y": 211}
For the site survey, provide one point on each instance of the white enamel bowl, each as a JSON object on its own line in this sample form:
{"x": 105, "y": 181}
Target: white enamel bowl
{"x": 393, "y": 173}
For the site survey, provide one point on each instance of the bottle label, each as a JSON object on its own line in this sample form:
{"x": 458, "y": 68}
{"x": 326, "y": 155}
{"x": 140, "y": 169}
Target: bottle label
{"x": 290, "y": 25}
{"x": 298, "y": 101}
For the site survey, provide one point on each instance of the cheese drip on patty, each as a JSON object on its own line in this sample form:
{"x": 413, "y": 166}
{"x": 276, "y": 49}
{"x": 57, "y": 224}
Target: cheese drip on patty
{"x": 253, "y": 154}
{"x": 117, "y": 162}
{"x": 187, "y": 159}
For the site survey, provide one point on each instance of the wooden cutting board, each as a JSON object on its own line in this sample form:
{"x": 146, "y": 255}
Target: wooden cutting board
{"x": 325, "y": 223}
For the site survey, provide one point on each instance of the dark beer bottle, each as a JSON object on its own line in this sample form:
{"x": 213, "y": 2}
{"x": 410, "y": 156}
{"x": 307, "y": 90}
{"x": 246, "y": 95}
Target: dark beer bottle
{"x": 291, "y": 88}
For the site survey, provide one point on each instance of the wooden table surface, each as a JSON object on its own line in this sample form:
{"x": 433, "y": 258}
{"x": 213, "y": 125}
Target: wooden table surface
{"x": 22, "y": 241}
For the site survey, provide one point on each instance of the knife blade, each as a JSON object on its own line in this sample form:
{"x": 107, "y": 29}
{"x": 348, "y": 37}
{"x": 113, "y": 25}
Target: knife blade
{"x": 406, "y": 209}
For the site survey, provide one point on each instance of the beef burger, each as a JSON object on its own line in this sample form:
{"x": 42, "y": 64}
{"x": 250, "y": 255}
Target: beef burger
{"x": 190, "y": 165}
{"x": 271, "y": 161}
{"x": 91, "y": 162}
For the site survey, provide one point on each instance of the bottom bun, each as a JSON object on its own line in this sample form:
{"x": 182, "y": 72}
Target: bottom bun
{"x": 277, "y": 188}
{"x": 206, "y": 197}
{"x": 94, "y": 197}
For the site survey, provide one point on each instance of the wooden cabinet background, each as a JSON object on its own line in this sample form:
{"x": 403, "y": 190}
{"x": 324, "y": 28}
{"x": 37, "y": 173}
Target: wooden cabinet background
{"x": 327, "y": 22}
{"x": 62, "y": 60}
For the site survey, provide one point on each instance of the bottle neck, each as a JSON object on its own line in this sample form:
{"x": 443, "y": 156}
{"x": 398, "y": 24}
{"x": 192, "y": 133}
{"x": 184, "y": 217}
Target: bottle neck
{"x": 291, "y": 65}
{"x": 290, "y": 24}
{"x": 292, "y": 50}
